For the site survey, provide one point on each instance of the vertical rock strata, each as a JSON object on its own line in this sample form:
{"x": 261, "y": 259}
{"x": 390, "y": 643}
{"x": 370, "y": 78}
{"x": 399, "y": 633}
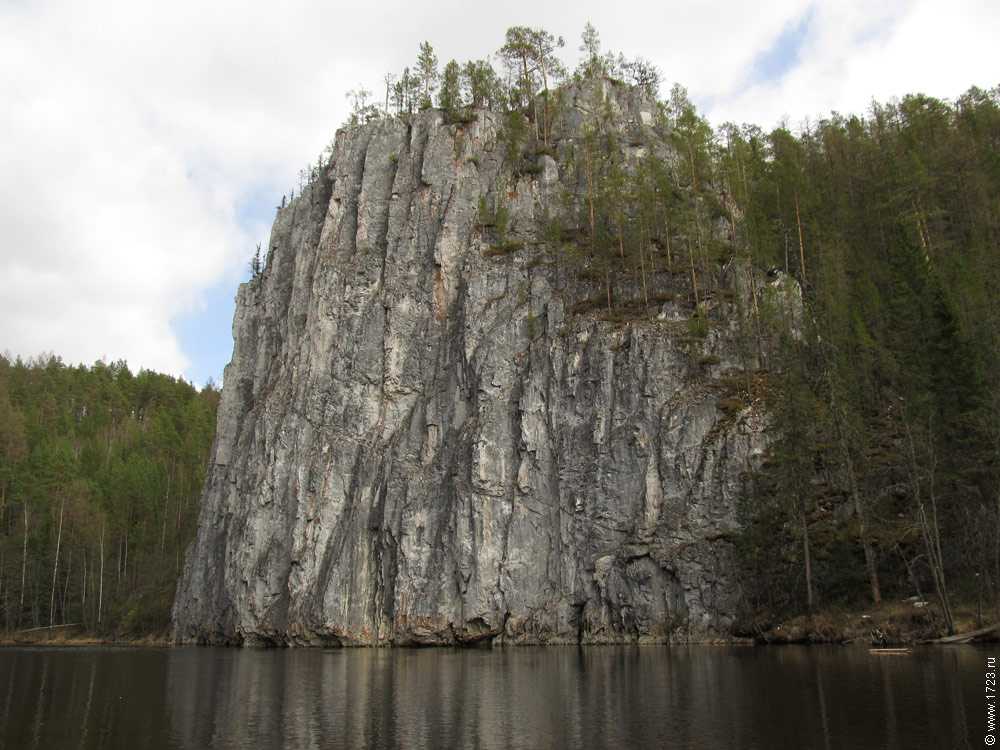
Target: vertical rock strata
{"x": 419, "y": 443}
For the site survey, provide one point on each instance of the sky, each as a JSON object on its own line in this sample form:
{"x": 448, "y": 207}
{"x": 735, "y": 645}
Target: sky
{"x": 145, "y": 145}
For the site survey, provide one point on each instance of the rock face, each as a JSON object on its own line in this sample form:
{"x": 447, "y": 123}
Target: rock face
{"x": 420, "y": 441}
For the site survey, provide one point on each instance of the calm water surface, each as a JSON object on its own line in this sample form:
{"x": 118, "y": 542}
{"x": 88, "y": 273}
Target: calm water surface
{"x": 560, "y": 697}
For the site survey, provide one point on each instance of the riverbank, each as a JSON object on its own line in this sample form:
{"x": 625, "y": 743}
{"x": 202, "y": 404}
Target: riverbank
{"x": 72, "y": 637}
{"x": 894, "y": 623}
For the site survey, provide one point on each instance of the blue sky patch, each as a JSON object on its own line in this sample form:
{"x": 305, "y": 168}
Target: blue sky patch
{"x": 775, "y": 62}
{"x": 206, "y": 335}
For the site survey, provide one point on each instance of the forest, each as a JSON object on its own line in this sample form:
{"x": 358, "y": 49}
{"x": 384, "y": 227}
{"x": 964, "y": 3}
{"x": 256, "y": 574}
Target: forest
{"x": 883, "y": 476}
{"x": 100, "y": 474}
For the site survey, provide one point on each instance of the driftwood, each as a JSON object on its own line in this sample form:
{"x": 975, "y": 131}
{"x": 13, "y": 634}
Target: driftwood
{"x": 966, "y": 637}
{"x": 50, "y": 627}
{"x": 890, "y": 651}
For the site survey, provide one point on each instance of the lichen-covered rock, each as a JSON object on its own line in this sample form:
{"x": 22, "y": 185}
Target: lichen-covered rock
{"x": 419, "y": 442}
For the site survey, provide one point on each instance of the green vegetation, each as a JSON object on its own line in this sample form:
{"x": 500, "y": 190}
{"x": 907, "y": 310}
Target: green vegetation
{"x": 530, "y": 72}
{"x": 256, "y": 265}
{"x": 450, "y": 97}
{"x": 427, "y": 74}
{"x": 884, "y": 476}
{"x": 100, "y": 474}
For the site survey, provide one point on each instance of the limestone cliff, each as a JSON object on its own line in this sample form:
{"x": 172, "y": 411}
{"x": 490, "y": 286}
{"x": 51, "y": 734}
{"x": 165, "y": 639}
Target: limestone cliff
{"x": 424, "y": 441}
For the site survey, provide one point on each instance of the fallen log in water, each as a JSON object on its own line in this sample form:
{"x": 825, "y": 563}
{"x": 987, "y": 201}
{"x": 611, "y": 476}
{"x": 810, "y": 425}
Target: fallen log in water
{"x": 890, "y": 651}
{"x": 966, "y": 637}
{"x": 50, "y": 627}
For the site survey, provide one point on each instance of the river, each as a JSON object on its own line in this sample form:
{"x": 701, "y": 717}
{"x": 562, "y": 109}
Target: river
{"x": 556, "y": 697}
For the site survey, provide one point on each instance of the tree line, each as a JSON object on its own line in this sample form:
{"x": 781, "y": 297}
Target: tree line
{"x": 100, "y": 474}
{"x": 529, "y": 64}
{"x": 884, "y": 479}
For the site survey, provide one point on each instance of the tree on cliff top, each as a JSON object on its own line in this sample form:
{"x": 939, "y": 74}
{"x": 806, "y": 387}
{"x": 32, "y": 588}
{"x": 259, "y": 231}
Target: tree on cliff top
{"x": 450, "y": 95}
{"x": 590, "y": 46}
{"x": 427, "y": 72}
{"x": 530, "y": 55}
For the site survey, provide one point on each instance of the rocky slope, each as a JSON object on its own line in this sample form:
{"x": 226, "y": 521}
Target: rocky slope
{"x": 422, "y": 441}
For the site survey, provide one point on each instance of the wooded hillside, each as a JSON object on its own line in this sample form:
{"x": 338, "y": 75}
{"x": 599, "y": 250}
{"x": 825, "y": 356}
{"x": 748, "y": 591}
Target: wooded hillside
{"x": 100, "y": 473}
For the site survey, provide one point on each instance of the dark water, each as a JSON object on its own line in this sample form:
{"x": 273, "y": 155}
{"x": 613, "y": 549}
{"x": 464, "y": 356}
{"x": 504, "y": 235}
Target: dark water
{"x": 561, "y": 697}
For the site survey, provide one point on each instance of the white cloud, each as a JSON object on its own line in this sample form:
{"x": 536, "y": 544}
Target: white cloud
{"x": 857, "y": 50}
{"x": 131, "y": 131}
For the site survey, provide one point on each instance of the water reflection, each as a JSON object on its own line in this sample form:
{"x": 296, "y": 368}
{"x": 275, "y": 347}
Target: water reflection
{"x": 614, "y": 697}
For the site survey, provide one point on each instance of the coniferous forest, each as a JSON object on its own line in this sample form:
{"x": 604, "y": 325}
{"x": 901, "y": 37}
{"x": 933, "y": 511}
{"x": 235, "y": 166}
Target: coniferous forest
{"x": 884, "y": 480}
{"x": 100, "y": 473}
{"x": 883, "y": 477}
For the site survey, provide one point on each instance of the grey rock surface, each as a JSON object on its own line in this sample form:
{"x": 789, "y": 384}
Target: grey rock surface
{"x": 421, "y": 443}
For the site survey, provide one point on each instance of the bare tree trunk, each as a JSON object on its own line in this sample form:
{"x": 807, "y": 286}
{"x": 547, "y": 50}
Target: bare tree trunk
{"x": 55, "y": 567}
{"x": 179, "y": 505}
{"x": 621, "y": 246}
{"x": 546, "y": 127}
{"x": 910, "y": 572}
{"x": 870, "y": 565}
{"x": 36, "y": 610}
{"x": 929, "y": 528}
{"x": 65, "y": 594}
{"x": 642, "y": 265}
{"x": 666, "y": 231}
{"x": 694, "y": 279}
{"x": 859, "y": 509}
{"x": 694, "y": 174}
{"x": 177, "y": 532}
{"x": 922, "y": 230}
{"x": 166, "y": 508}
{"x": 83, "y": 589}
{"x": 935, "y": 531}
{"x": 996, "y": 550}
{"x": 24, "y": 565}
{"x": 701, "y": 242}
{"x": 100, "y": 589}
{"x": 802, "y": 247}
{"x": 807, "y": 555}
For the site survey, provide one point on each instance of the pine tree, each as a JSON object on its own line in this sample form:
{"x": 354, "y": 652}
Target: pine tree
{"x": 427, "y": 74}
{"x": 450, "y": 96}
{"x": 590, "y": 45}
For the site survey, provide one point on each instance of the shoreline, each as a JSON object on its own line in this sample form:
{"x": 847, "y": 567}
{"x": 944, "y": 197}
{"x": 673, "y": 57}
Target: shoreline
{"x": 84, "y": 641}
{"x": 891, "y": 624}
{"x": 910, "y": 622}
{"x": 138, "y": 643}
